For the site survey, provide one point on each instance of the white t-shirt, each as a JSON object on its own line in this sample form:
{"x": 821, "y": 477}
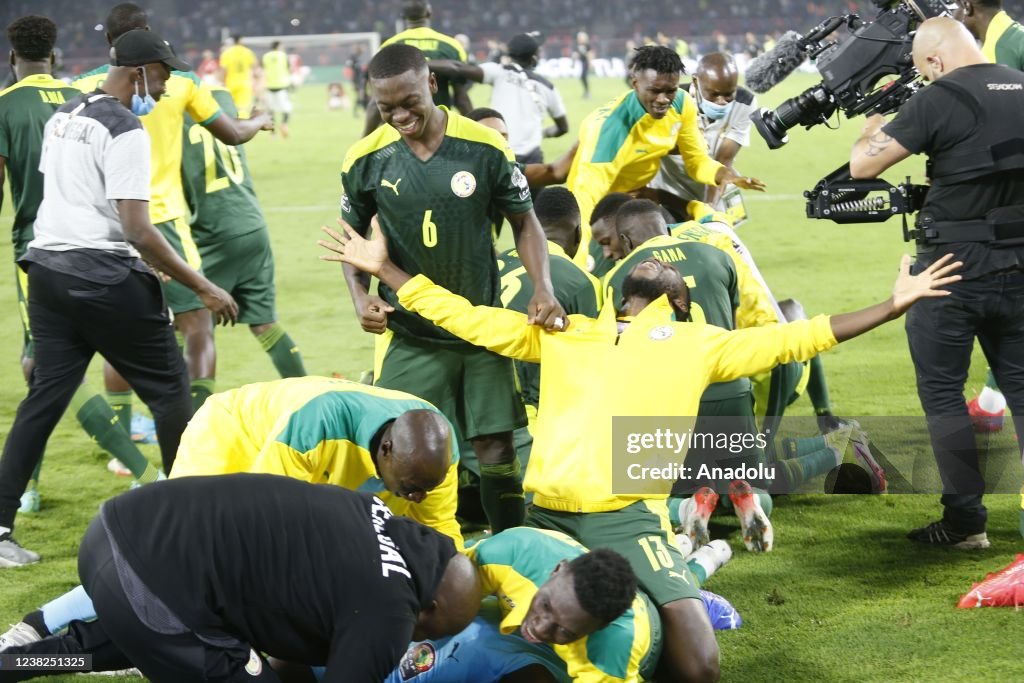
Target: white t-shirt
{"x": 523, "y": 98}
{"x": 95, "y": 151}
{"x": 735, "y": 125}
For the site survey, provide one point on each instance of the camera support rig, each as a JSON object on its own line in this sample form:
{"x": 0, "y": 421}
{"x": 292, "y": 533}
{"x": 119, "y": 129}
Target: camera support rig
{"x": 841, "y": 199}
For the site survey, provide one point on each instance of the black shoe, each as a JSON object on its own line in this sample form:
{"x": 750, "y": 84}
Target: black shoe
{"x": 940, "y": 534}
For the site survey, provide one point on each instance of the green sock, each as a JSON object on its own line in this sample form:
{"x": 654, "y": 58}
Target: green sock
{"x": 793, "y": 447}
{"x": 990, "y": 381}
{"x": 501, "y": 494}
{"x": 673, "y": 510}
{"x": 202, "y": 389}
{"x": 817, "y": 387}
{"x": 698, "y": 571}
{"x": 282, "y": 351}
{"x": 798, "y": 470}
{"x": 101, "y": 423}
{"x": 121, "y": 403}
{"x": 765, "y": 499}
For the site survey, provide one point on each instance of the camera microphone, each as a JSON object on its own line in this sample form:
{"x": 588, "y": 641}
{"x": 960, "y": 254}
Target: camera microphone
{"x": 768, "y": 70}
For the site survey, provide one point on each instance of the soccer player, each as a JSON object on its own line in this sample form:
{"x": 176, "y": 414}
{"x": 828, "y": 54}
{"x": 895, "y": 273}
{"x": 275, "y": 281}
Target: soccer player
{"x": 247, "y": 565}
{"x": 623, "y": 142}
{"x": 578, "y": 291}
{"x": 1001, "y": 37}
{"x": 725, "y": 407}
{"x": 537, "y": 175}
{"x": 523, "y": 96}
{"x": 725, "y": 110}
{"x": 433, "y": 179}
{"x": 604, "y": 243}
{"x": 277, "y": 81}
{"x": 90, "y": 291}
{"x": 24, "y": 110}
{"x": 583, "y": 54}
{"x": 164, "y": 123}
{"x": 237, "y": 63}
{"x": 573, "y": 482}
{"x": 319, "y": 430}
{"x": 433, "y": 45}
{"x": 231, "y": 233}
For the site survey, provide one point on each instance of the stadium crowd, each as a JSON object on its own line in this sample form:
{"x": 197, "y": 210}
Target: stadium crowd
{"x": 460, "y": 510}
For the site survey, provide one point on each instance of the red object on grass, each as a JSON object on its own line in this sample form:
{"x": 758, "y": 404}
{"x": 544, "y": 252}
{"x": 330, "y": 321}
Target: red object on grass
{"x": 1005, "y": 588}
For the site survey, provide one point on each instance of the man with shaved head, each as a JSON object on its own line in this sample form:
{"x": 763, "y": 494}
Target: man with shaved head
{"x": 316, "y": 429}
{"x": 725, "y": 110}
{"x": 968, "y": 122}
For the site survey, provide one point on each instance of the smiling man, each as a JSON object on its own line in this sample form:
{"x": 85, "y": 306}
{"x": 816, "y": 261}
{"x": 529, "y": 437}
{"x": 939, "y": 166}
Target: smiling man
{"x": 623, "y": 142}
{"x": 584, "y": 605}
{"x": 434, "y": 179}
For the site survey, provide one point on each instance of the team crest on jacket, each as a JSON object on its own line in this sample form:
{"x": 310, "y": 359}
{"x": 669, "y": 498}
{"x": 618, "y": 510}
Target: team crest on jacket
{"x": 661, "y": 333}
{"x": 417, "y": 660}
{"x": 463, "y": 184}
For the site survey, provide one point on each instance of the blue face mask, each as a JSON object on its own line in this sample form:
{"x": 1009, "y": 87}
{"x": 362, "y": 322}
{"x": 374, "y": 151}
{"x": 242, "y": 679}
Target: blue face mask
{"x": 142, "y": 105}
{"x": 713, "y": 110}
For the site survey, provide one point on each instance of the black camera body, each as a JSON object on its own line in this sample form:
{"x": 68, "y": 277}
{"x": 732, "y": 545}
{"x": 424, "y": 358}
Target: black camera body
{"x": 853, "y": 67}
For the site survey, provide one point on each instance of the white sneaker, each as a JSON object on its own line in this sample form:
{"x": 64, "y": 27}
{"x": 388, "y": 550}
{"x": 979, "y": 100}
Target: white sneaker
{"x": 13, "y": 555}
{"x": 19, "y": 634}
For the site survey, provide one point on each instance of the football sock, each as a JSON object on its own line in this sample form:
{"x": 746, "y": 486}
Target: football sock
{"x": 201, "y": 390}
{"x": 121, "y": 403}
{"x": 817, "y": 387}
{"x": 792, "y": 472}
{"x": 501, "y": 494}
{"x": 101, "y": 423}
{"x": 75, "y": 604}
{"x": 991, "y": 400}
{"x": 673, "y": 510}
{"x": 708, "y": 559}
{"x": 837, "y": 439}
{"x": 282, "y": 351}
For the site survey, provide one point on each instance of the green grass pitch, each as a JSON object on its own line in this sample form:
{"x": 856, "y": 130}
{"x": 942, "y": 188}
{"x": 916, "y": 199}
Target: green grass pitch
{"x": 844, "y": 597}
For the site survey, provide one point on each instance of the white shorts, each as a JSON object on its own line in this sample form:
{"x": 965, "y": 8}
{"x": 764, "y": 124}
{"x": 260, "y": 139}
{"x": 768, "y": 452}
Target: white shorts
{"x": 279, "y": 101}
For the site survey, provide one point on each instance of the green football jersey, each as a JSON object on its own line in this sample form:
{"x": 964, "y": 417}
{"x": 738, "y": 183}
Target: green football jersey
{"x": 434, "y": 45}
{"x": 714, "y": 291}
{"x": 217, "y": 182}
{"x": 436, "y": 213}
{"x": 25, "y": 107}
{"x": 575, "y": 289}
{"x": 1004, "y": 42}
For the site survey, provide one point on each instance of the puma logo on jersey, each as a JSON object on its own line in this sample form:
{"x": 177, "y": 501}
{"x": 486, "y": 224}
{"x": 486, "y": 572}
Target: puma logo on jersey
{"x": 384, "y": 182}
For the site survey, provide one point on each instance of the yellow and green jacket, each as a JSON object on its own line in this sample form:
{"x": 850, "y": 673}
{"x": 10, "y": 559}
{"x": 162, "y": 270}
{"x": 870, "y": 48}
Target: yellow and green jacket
{"x": 571, "y": 469}
{"x": 316, "y": 429}
{"x": 621, "y": 147}
{"x": 515, "y": 563}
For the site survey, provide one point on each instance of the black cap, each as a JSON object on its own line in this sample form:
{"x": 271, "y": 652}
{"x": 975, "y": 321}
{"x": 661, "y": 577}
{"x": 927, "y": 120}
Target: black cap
{"x": 140, "y": 47}
{"x": 523, "y": 46}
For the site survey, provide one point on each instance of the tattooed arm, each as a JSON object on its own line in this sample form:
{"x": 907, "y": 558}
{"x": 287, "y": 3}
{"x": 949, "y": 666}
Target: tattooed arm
{"x": 875, "y": 151}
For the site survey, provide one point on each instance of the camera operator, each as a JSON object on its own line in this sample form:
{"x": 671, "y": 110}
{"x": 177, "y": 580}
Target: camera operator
{"x": 968, "y": 122}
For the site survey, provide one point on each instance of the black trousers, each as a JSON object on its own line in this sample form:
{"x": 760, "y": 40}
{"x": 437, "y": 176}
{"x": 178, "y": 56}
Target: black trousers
{"x": 71, "y": 320}
{"x": 161, "y": 657}
{"x": 941, "y": 333}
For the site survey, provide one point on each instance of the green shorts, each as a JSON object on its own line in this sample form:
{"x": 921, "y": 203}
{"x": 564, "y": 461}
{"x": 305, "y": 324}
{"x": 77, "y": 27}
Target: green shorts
{"x": 181, "y": 299}
{"x": 474, "y": 388}
{"x": 21, "y": 285}
{"x": 787, "y": 382}
{"x": 244, "y": 267}
{"x": 641, "y": 533}
{"x": 732, "y": 416}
